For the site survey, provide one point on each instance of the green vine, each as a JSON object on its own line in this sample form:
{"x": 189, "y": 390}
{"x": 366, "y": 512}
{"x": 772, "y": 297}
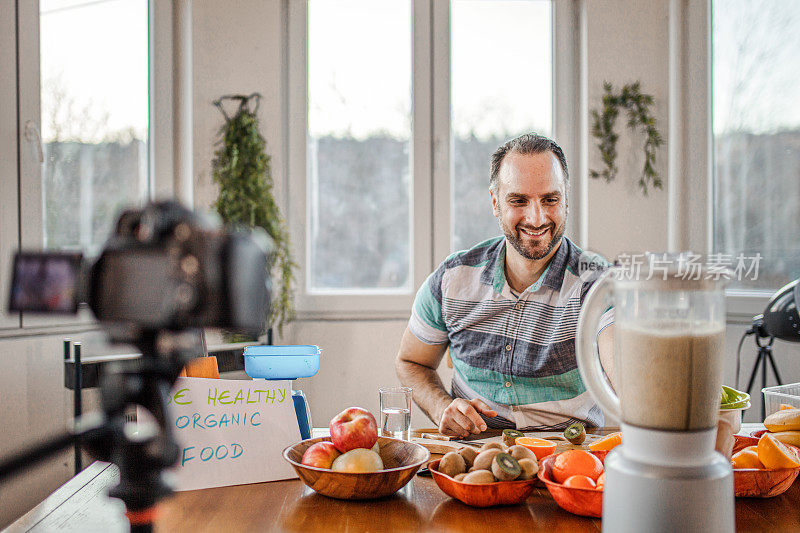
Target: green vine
{"x": 638, "y": 106}
{"x": 241, "y": 168}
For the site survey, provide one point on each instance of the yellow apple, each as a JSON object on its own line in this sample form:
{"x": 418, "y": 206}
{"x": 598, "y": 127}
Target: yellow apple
{"x": 358, "y": 460}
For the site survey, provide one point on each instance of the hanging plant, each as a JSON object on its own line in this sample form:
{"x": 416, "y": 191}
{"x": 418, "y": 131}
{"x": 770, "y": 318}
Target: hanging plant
{"x": 241, "y": 168}
{"x": 639, "y": 116}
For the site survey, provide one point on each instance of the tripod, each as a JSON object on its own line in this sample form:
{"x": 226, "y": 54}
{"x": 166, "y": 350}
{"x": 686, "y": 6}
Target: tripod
{"x": 141, "y": 456}
{"x": 764, "y": 355}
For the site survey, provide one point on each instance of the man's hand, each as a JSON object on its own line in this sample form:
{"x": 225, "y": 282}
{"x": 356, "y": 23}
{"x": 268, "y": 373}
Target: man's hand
{"x": 461, "y": 417}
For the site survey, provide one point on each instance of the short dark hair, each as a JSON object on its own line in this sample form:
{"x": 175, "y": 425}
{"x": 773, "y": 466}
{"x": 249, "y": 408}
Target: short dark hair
{"x": 529, "y": 143}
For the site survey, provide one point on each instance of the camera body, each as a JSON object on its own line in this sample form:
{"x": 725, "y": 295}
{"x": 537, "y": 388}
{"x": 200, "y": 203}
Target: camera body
{"x": 164, "y": 268}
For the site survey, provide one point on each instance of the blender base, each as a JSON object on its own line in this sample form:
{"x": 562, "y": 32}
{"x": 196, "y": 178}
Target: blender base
{"x": 644, "y": 497}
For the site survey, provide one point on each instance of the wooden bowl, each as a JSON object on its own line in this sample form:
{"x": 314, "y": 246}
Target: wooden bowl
{"x": 483, "y": 494}
{"x": 584, "y": 502}
{"x": 757, "y": 482}
{"x": 401, "y": 458}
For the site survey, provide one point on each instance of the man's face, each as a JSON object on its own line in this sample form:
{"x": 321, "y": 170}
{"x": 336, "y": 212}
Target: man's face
{"x": 531, "y": 202}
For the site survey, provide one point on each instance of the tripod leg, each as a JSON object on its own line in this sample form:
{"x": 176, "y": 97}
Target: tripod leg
{"x": 753, "y": 372}
{"x": 774, "y": 368}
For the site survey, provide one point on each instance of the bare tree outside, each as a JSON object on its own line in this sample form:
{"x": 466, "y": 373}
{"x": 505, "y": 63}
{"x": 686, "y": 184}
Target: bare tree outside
{"x": 756, "y": 80}
{"x": 94, "y": 134}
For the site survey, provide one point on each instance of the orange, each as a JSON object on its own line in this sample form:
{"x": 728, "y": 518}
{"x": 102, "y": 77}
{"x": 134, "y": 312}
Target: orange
{"x": 775, "y": 454}
{"x": 580, "y": 482}
{"x": 576, "y": 462}
{"x": 601, "y": 481}
{"x": 787, "y": 406}
{"x": 606, "y": 443}
{"x": 540, "y": 447}
{"x": 747, "y": 458}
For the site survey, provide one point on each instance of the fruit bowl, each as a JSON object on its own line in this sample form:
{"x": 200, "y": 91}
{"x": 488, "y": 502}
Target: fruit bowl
{"x": 757, "y": 482}
{"x": 401, "y": 458}
{"x": 483, "y": 495}
{"x": 584, "y": 502}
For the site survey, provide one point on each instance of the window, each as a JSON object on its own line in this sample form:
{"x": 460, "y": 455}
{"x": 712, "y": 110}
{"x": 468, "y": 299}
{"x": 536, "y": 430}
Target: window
{"x": 756, "y": 136}
{"x": 84, "y": 75}
{"x": 359, "y": 145}
{"x": 501, "y": 87}
{"x": 406, "y": 101}
{"x": 94, "y": 117}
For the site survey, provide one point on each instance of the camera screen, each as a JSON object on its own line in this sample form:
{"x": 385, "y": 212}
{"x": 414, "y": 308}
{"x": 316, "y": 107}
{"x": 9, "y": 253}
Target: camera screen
{"x": 45, "y": 282}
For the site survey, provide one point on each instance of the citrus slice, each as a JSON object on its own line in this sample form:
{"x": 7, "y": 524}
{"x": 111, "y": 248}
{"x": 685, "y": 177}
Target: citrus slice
{"x": 606, "y": 443}
{"x": 747, "y": 458}
{"x": 775, "y": 454}
{"x": 540, "y": 447}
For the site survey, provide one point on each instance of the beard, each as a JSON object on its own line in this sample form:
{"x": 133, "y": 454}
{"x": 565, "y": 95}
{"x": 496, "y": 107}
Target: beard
{"x": 529, "y": 250}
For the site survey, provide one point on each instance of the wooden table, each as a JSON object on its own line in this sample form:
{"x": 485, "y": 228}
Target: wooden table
{"x": 81, "y": 505}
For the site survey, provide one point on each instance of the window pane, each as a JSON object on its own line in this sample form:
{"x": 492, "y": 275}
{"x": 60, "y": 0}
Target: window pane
{"x": 359, "y": 120}
{"x": 756, "y": 83}
{"x": 501, "y": 88}
{"x": 94, "y": 105}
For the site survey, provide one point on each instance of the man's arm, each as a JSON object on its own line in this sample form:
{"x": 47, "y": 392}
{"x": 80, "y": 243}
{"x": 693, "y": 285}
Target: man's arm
{"x": 416, "y": 366}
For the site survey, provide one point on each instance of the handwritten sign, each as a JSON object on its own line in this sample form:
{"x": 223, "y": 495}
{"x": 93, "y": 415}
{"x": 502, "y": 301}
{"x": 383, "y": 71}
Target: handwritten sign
{"x": 231, "y": 432}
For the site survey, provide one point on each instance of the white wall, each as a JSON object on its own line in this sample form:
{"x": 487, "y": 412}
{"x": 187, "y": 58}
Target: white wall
{"x": 627, "y": 42}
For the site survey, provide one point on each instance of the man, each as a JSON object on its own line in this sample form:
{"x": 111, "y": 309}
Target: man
{"x": 507, "y": 309}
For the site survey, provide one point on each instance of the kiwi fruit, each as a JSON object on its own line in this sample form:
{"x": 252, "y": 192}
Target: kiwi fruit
{"x": 505, "y": 467}
{"x": 484, "y": 459}
{"x": 479, "y": 476}
{"x": 510, "y": 436}
{"x": 452, "y": 464}
{"x": 492, "y": 445}
{"x": 469, "y": 454}
{"x": 529, "y": 468}
{"x": 521, "y": 452}
{"x": 575, "y": 433}
{"x": 460, "y": 476}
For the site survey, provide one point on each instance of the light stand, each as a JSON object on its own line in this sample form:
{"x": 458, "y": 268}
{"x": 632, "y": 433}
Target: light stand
{"x": 764, "y": 355}
{"x": 780, "y": 320}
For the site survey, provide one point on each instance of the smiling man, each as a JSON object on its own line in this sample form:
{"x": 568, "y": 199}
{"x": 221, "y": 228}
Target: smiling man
{"x": 507, "y": 309}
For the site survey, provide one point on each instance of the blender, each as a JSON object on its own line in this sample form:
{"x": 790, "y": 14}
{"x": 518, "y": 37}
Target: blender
{"x": 668, "y": 364}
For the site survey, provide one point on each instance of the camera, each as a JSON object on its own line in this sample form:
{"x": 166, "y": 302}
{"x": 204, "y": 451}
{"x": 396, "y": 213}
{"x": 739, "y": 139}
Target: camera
{"x": 163, "y": 268}
{"x": 164, "y": 271}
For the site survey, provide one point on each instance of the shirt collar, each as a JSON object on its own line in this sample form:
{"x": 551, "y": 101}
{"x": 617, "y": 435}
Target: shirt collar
{"x": 553, "y": 275}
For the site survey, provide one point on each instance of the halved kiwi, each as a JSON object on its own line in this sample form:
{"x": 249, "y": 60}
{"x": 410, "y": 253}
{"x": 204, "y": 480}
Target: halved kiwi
{"x": 575, "y": 433}
{"x": 510, "y": 436}
{"x": 505, "y": 467}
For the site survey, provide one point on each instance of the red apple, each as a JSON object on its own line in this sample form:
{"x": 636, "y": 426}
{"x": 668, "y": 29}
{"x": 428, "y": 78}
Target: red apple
{"x": 321, "y": 455}
{"x": 354, "y": 428}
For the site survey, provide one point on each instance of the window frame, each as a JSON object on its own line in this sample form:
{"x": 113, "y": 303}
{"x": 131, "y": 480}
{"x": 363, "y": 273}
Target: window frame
{"x": 9, "y": 199}
{"x": 28, "y": 98}
{"x": 432, "y": 143}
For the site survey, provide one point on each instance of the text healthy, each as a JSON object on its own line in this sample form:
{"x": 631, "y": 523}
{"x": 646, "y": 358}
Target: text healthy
{"x": 239, "y": 409}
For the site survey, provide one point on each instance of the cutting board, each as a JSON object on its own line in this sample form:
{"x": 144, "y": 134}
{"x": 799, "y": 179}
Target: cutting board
{"x": 435, "y": 445}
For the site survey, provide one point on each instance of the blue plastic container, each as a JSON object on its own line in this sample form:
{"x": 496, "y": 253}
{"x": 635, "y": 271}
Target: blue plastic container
{"x": 281, "y": 362}
{"x": 286, "y": 362}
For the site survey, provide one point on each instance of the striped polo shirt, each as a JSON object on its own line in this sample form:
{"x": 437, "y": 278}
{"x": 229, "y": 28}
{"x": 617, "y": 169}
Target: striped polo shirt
{"x": 514, "y": 351}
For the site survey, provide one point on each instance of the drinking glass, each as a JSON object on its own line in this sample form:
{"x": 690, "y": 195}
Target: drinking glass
{"x": 395, "y": 412}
